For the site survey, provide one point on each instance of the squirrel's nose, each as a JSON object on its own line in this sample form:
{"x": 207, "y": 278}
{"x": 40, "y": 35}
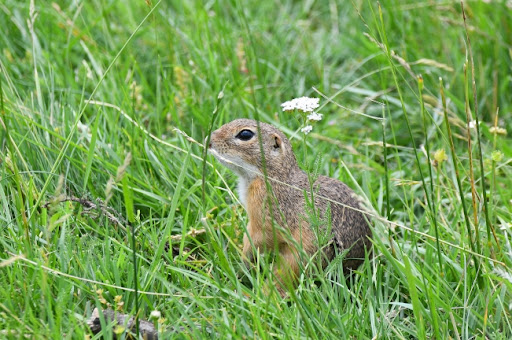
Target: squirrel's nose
{"x": 212, "y": 137}
{"x": 206, "y": 141}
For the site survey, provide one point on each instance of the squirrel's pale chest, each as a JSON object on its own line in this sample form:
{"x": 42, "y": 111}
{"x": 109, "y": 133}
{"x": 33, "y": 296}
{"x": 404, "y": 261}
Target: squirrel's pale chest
{"x": 251, "y": 193}
{"x": 243, "y": 186}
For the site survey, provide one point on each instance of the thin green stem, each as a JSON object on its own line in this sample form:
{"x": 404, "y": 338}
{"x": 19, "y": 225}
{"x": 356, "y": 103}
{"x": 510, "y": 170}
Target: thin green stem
{"x": 478, "y": 134}
{"x": 456, "y": 167}
{"x": 433, "y": 213}
{"x": 470, "y": 157}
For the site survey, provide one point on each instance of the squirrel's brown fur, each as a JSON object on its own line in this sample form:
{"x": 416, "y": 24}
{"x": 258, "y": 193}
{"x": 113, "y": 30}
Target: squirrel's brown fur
{"x": 280, "y": 221}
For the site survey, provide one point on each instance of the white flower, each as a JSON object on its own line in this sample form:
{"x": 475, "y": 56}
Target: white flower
{"x": 315, "y": 116}
{"x": 472, "y": 124}
{"x": 83, "y": 128}
{"x": 306, "y": 129}
{"x": 155, "y": 314}
{"x": 304, "y": 104}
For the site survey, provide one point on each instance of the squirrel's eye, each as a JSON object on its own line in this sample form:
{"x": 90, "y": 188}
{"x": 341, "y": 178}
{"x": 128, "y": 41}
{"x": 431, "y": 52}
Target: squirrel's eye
{"x": 245, "y": 135}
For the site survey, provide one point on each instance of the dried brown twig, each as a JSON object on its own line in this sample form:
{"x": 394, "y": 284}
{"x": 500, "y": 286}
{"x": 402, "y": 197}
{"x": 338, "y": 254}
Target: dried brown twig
{"x": 99, "y": 206}
{"x": 89, "y": 207}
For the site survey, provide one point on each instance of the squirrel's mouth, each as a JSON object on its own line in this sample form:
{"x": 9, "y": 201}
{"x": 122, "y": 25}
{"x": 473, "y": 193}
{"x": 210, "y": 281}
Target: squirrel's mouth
{"x": 218, "y": 156}
{"x": 235, "y": 164}
{"x": 225, "y": 160}
{"x": 212, "y": 150}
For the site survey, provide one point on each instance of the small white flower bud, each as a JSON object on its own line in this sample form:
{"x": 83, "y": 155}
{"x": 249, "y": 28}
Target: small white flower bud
{"x": 306, "y": 129}
{"x": 155, "y": 315}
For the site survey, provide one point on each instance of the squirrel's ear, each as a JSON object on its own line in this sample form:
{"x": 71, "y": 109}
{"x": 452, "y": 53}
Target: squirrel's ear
{"x": 277, "y": 142}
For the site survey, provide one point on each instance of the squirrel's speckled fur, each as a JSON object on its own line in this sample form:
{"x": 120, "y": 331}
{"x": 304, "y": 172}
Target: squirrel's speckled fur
{"x": 287, "y": 205}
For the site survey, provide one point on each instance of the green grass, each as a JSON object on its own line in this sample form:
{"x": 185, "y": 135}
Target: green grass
{"x": 84, "y": 84}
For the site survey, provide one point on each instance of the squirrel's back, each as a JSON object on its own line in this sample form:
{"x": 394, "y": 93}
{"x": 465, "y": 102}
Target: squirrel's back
{"x": 339, "y": 210}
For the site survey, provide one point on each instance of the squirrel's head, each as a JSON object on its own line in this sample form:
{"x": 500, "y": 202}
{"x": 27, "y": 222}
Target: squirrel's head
{"x": 237, "y": 146}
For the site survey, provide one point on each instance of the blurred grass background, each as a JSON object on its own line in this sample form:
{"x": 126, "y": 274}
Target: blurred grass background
{"x": 154, "y": 70}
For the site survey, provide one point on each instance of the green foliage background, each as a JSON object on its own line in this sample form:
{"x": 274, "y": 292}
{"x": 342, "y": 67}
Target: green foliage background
{"x": 84, "y": 84}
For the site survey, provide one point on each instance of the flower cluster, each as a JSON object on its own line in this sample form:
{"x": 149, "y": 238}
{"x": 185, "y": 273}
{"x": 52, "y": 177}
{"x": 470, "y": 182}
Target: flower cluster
{"x": 498, "y": 130}
{"x": 315, "y": 116}
{"x": 304, "y": 105}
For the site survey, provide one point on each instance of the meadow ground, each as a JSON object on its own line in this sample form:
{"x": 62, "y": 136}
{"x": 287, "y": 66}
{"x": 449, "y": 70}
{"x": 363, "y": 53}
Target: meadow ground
{"x": 96, "y": 98}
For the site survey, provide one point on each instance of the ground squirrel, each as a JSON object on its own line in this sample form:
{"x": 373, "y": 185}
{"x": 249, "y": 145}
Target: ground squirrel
{"x": 280, "y": 221}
